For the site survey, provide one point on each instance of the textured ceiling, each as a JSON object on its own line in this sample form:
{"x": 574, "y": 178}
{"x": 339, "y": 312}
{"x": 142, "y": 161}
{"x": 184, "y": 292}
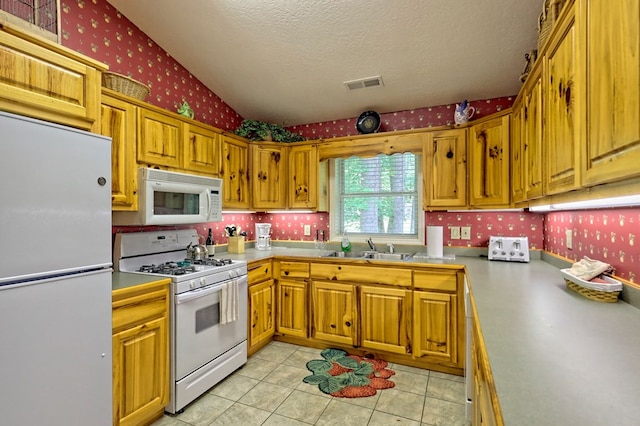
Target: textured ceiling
{"x": 285, "y": 61}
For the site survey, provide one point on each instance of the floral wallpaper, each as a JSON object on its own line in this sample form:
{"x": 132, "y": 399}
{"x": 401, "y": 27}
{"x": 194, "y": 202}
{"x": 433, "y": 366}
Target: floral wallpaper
{"x": 486, "y": 224}
{"x": 608, "y": 235}
{"x": 434, "y": 116}
{"x": 94, "y": 28}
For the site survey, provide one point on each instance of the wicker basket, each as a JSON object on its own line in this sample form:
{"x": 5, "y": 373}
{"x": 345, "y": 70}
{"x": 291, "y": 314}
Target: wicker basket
{"x": 594, "y": 291}
{"x": 550, "y": 11}
{"x": 125, "y": 85}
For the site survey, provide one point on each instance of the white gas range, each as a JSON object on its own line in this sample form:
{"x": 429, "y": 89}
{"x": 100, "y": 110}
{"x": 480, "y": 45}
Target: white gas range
{"x": 208, "y": 313}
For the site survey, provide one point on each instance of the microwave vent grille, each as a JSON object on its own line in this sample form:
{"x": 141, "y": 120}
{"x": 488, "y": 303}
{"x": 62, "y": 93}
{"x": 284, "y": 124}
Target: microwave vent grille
{"x": 162, "y": 175}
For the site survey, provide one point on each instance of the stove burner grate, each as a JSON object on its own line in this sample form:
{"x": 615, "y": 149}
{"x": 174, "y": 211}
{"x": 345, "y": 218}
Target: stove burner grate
{"x": 168, "y": 268}
{"x": 212, "y": 262}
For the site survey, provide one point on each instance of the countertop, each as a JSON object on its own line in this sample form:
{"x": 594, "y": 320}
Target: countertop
{"x": 557, "y": 358}
{"x": 120, "y": 280}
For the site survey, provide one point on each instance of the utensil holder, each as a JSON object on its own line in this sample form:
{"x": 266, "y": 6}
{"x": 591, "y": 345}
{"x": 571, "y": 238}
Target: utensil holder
{"x": 236, "y": 244}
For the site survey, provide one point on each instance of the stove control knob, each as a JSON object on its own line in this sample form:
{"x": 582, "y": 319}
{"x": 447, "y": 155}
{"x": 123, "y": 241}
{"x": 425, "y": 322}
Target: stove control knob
{"x": 495, "y": 252}
{"x": 192, "y": 284}
{"x": 521, "y": 254}
{"x": 232, "y": 273}
{"x": 512, "y": 253}
{"x": 504, "y": 253}
{"x": 203, "y": 282}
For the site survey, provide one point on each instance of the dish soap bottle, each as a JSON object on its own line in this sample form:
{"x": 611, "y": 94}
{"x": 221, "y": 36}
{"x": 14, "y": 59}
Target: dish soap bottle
{"x": 211, "y": 248}
{"x": 346, "y": 244}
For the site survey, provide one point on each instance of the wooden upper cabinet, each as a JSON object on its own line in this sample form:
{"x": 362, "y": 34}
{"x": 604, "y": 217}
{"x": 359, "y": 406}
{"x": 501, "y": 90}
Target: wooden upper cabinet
{"x": 611, "y": 40}
{"x": 201, "y": 148}
{"x": 517, "y": 160}
{"x": 562, "y": 110}
{"x": 269, "y": 171}
{"x": 303, "y": 177}
{"x": 235, "y": 173}
{"x": 43, "y": 79}
{"x": 445, "y": 169}
{"x": 159, "y": 139}
{"x": 532, "y": 148}
{"x": 489, "y": 158}
{"x": 118, "y": 121}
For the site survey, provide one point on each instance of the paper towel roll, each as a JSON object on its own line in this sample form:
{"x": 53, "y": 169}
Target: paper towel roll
{"x": 434, "y": 241}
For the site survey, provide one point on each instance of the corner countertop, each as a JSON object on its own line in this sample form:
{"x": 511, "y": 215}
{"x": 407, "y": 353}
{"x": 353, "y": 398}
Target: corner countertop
{"x": 557, "y": 358}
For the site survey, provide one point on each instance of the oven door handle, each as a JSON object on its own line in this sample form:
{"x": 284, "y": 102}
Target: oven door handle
{"x": 198, "y": 293}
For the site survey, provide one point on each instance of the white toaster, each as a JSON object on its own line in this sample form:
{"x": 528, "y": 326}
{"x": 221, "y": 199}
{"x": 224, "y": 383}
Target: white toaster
{"x": 511, "y": 249}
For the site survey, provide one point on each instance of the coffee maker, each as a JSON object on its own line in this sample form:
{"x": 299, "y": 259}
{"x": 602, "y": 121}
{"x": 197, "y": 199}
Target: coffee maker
{"x": 263, "y": 237}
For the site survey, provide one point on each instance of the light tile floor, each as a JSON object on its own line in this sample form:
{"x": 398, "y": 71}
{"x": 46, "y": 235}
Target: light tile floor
{"x": 269, "y": 390}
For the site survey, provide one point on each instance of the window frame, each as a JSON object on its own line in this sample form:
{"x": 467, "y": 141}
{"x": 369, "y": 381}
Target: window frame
{"x": 378, "y": 239}
{"x": 34, "y": 28}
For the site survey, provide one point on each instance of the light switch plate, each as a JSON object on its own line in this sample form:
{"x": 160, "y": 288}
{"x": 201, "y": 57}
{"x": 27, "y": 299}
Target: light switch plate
{"x": 465, "y": 232}
{"x": 569, "y": 234}
{"x": 455, "y": 232}
{"x": 307, "y": 230}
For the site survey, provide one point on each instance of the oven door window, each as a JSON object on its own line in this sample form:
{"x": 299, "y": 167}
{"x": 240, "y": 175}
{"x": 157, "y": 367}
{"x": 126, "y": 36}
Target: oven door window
{"x": 207, "y": 317}
{"x": 175, "y": 203}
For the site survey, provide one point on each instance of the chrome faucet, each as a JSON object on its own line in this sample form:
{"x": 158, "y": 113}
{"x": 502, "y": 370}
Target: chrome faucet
{"x": 371, "y": 245}
{"x": 392, "y": 248}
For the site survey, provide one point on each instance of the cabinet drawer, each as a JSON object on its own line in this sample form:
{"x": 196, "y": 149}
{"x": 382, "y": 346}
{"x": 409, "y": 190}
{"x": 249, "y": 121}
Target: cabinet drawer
{"x": 362, "y": 274}
{"x": 135, "y": 307}
{"x": 436, "y": 280}
{"x": 294, "y": 270}
{"x": 259, "y": 271}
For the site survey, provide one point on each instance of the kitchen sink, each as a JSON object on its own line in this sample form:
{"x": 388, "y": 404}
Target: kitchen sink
{"x": 349, "y": 254}
{"x": 389, "y": 256}
{"x": 375, "y": 255}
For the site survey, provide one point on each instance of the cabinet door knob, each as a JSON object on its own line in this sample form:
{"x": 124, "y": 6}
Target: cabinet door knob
{"x": 348, "y": 323}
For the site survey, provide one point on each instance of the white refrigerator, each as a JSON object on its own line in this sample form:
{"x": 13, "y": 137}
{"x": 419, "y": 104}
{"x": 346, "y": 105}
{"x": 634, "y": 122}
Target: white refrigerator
{"x": 55, "y": 275}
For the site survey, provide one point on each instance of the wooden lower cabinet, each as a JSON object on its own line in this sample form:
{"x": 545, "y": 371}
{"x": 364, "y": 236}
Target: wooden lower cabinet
{"x": 262, "y": 310}
{"x": 292, "y": 308}
{"x": 140, "y": 353}
{"x": 435, "y": 325}
{"x": 333, "y": 312}
{"x": 486, "y": 409}
{"x": 385, "y": 319}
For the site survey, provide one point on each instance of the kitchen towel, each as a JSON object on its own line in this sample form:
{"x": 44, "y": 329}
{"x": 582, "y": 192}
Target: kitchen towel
{"x": 587, "y": 269}
{"x": 434, "y": 241}
{"x": 229, "y": 302}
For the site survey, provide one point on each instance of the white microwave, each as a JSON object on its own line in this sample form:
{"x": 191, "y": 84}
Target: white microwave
{"x": 169, "y": 198}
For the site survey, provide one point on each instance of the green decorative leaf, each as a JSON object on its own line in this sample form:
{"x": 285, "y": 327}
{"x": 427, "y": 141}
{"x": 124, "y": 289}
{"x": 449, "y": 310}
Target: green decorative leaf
{"x": 319, "y": 366}
{"x": 316, "y": 379}
{"x": 363, "y": 369}
{"x": 332, "y": 354}
{"x": 334, "y": 383}
{"x": 347, "y": 362}
{"x": 357, "y": 380}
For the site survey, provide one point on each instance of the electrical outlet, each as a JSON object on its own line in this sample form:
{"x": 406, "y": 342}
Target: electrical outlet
{"x": 455, "y": 232}
{"x": 569, "y": 234}
{"x": 307, "y": 230}
{"x": 465, "y": 232}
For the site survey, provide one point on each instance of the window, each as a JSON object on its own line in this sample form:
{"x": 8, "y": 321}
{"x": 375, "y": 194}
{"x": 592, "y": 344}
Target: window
{"x": 378, "y": 197}
{"x": 38, "y": 16}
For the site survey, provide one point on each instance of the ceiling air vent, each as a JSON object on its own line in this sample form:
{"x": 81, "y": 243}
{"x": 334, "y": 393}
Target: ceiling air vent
{"x": 364, "y": 82}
